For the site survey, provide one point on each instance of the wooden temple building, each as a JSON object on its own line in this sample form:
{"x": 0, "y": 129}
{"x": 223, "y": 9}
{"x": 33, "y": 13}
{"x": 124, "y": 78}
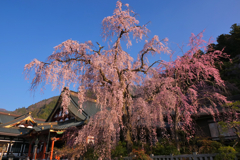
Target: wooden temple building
{"x": 25, "y": 136}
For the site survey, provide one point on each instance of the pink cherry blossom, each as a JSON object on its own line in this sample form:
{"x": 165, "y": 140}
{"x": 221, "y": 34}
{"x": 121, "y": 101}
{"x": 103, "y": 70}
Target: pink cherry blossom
{"x": 134, "y": 98}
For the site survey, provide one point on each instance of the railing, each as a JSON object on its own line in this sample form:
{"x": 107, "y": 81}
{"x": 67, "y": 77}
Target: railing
{"x": 193, "y": 156}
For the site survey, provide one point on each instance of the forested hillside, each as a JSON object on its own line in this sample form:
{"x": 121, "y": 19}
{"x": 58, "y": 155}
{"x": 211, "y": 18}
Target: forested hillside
{"x": 230, "y": 71}
{"x": 41, "y": 109}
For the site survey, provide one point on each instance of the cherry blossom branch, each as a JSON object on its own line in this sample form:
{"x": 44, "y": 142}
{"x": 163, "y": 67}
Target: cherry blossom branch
{"x": 74, "y": 59}
{"x": 87, "y": 62}
{"x": 99, "y": 50}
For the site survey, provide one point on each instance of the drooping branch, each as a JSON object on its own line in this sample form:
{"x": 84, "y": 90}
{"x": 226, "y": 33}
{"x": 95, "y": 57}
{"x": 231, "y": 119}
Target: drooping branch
{"x": 109, "y": 73}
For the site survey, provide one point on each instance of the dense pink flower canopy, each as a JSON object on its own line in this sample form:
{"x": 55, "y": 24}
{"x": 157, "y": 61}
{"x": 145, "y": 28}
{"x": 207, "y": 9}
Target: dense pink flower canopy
{"x": 112, "y": 75}
{"x": 188, "y": 86}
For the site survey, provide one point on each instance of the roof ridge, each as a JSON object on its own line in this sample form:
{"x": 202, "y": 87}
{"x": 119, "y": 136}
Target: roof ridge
{"x": 10, "y": 114}
{"x": 87, "y": 98}
{"x": 17, "y": 119}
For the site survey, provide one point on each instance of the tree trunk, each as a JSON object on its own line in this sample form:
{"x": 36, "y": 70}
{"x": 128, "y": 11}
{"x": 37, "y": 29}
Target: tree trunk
{"x": 175, "y": 131}
{"x": 127, "y": 130}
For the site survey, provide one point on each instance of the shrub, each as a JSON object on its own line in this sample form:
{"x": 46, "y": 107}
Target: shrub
{"x": 140, "y": 155}
{"x": 138, "y": 145}
{"x": 226, "y": 153}
{"x": 164, "y": 149}
{"x": 208, "y": 146}
{"x": 90, "y": 154}
{"x": 120, "y": 150}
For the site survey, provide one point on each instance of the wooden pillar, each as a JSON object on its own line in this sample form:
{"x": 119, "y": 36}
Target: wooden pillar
{"x": 44, "y": 150}
{"x": 52, "y": 150}
{"x": 22, "y": 148}
{"x": 35, "y": 149}
{"x": 29, "y": 150}
{"x": 53, "y": 141}
{"x": 9, "y": 147}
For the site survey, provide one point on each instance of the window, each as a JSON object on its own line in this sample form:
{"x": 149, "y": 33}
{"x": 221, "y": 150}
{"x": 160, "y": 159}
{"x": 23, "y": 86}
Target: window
{"x": 216, "y": 131}
{"x": 66, "y": 112}
{"x": 16, "y": 147}
{"x": 60, "y": 114}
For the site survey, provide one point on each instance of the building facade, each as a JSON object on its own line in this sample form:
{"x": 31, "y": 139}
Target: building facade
{"x": 25, "y": 136}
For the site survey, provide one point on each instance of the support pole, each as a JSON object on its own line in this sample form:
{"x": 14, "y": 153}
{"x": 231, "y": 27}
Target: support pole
{"x": 53, "y": 141}
{"x": 9, "y": 147}
{"x": 29, "y": 150}
{"x": 44, "y": 150}
{"x": 47, "y": 143}
{"x": 35, "y": 149}
{"x": 22, "y": 148}
{"x": 52, "y": 150}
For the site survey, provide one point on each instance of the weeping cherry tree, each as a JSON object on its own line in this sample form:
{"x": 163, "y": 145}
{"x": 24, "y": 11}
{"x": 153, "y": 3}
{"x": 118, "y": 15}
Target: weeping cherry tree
{"x": 109, "y": 72}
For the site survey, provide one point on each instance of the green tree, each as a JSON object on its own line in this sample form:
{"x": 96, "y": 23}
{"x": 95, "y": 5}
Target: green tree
{"x": 231, "y": 120}
{"x": 230, "y": 71}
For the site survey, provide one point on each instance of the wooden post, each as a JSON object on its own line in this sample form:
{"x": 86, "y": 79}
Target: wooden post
{"x": 35, "y": 149}
{"x": 53, "y": 141}
{"x": 195, "y": 156}
{"x": 52, "y": 150}
{"x": 22, "y": 148}
{"x": 29, "y": 150}
{"x": 44, "y": 150}
{"x": 171, "y": 156}
{"x": 151, "y": 156}
{"x": 9, "y": 147}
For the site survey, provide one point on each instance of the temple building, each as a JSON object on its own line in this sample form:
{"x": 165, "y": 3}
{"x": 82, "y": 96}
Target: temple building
{"x": 25, "y": 136}
{"x": 12, "y": 128}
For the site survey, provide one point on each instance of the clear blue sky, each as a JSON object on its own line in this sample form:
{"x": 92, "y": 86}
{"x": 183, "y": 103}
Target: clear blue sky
{"x": 31, "y": 28}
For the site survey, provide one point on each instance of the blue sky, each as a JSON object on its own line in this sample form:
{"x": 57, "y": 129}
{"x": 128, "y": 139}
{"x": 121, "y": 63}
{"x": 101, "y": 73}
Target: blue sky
{"x": 31, "y": 28}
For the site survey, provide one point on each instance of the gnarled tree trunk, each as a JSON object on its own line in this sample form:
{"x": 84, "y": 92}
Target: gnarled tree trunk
{"x": 127, "y": 130}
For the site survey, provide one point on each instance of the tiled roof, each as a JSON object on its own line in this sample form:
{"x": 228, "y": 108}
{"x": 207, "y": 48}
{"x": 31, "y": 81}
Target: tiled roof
{"x": 59, "y": 126}
{"x": 17, "y": 119}
{"x": 14, "y": 131}
{"x": 5, "y": 118}
{"x": 67, "y": 125}
{"x": 36, "y": 119}
{"x": 89, "y": 107}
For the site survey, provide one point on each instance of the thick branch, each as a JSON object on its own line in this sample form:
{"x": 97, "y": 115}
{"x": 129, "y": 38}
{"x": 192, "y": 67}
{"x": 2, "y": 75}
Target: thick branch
{"x": 104, "y": 77}
{"x": 140, "y": 69}
{"x": 74, "y": 59}
{"x": 99, "y": 50}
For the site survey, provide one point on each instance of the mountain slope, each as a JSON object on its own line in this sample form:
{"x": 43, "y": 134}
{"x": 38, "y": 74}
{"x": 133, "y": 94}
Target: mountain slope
{"x": 41, "y": 109}
{"x": 3, "y": 110}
